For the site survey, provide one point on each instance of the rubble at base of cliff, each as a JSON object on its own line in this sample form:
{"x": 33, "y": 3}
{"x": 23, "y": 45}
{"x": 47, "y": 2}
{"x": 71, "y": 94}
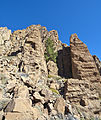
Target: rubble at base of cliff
{"x": 32, "y": 88}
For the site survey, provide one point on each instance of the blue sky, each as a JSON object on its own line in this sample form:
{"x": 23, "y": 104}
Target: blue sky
{"x": 66, "y": 16}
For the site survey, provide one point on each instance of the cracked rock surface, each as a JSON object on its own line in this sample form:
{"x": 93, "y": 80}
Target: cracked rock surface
{"x": 33, "y": 89}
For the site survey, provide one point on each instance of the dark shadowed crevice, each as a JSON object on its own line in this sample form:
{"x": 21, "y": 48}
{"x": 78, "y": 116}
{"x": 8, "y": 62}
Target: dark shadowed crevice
{"x": 98, "y": 63}
{"x": 15, "y": 53}
{"x": 28, "y": 85}
{"x": 64, "y": 63}
{"x": 3, "y": 118}
{"x": 41, "y": 94}
{"x": 82, "y": 103}
{"x": 19, "y": 66}
{"x": 32, "y": 44}
{"x": 46, "y": 106}
{"x": 35, "y": 101}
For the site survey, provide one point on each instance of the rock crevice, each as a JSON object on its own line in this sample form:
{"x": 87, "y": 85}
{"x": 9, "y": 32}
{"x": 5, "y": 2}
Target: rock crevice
{"x": 32, "y": 88}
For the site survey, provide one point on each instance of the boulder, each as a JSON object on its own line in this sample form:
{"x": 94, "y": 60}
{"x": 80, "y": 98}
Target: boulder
{"x": 60, "y": 105}
{"x": 23, "y": 92}
{"x": 22, "y": 105}
{"x": 52, "y": 68}
{"x": 18, "y": 116}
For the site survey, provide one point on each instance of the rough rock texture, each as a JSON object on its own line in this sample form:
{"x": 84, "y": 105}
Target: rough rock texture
{"x": 4, "y": 40}
{"x": 31, "y": 89}
{"x": 83, "y": 65}
{"x": 79, "y": 92}
{"x": 52, "y": 68}
{"x": 98, "y": 63}
{"x": 64, "y": 62}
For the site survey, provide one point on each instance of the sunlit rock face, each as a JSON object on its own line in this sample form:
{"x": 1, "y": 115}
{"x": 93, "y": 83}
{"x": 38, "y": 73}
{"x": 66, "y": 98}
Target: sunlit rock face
{"x": 83, "y": 65}
{"x": 32, "y": 88}
{"x": 98, "y": 63}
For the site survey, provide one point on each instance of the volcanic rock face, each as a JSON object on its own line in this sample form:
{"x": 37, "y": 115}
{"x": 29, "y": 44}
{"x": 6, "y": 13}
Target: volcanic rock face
{"x": 83, "y": 65}
{"x": 33, "y": 89}
{"x": 98, "y": 63}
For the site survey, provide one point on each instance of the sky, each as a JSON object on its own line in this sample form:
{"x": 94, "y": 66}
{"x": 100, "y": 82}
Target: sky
{"x": 66, "y": 16}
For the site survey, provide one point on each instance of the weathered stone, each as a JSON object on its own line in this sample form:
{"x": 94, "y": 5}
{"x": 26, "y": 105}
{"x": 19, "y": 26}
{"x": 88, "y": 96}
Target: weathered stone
{"x": 38, "y": 97}
{"x": 10, "y": 106}
{"x": 52, "y": 68}
{"x": 60, "y": 105}
{"x": 22, "y": 105}
{"x": 83, "y": 65}
{"x": 18, "y": 116}
{"x": 54, "y": 85}
{"x": 26, "y": 79}
{"x": 36, "y": 113}
{"x": 23, "y": 92}
{"x": 33, "y": 57}
{"x": 3, "y": 103}
{"x": 4, "y": 40}
{"x": 98, "y": 63}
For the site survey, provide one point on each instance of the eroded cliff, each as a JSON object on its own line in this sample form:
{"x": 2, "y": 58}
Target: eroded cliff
{"x": 32, "y": 88}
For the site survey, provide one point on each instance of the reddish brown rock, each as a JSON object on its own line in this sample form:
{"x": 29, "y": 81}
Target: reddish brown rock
{"x": 98, "y": 63}
{"x": 83, "y": 65}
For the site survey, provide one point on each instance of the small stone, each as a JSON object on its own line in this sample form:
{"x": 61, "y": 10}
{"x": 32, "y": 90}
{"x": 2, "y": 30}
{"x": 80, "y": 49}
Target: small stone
{"x": 60, "y": 105}
{"x": 38, "y": 97}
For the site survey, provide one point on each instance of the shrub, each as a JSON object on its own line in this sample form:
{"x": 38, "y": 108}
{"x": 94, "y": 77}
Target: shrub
{"x": 50, "y": 53}
{"x": 54, "y": 91}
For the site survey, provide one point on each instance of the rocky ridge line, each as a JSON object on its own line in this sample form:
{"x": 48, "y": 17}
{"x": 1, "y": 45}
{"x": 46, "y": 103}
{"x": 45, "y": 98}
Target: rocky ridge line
{"x": 33, "y": 89}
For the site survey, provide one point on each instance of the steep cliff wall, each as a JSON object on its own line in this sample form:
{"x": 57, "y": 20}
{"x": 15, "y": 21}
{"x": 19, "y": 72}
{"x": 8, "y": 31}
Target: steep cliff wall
{"x": 32, "y": 88}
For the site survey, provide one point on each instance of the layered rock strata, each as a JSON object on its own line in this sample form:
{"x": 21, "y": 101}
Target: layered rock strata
{"x": 98, "y": 63}
{"x": 83, "y": 65}
{"x": 33, "y": 89}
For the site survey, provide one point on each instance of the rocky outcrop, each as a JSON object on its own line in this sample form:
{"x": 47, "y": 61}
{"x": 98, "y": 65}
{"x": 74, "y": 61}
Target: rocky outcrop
{"x": 32, "y": 88}
{"x": 84, "y": 88}
{"x": 5, "y": 44}
{"x": 83, "y": 65}
{"x": 79, "y": 93}
{"x": 98, "y": 63}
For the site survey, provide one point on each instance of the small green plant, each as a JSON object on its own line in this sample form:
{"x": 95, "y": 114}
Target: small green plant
{"x": 65, "y": 80}
{"x": 50, "y": 76}
{"x": 50, "y": 53}
{"x": 82, "y": 119}
{"x": 54, "y": 77}
{"x": 92, "y": 119}
{"x": 54, "y": 91}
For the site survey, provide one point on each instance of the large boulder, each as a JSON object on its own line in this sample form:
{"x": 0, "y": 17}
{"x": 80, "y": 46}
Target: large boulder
{"x": 52, "y": 68}
{"x": 60, "y": 105}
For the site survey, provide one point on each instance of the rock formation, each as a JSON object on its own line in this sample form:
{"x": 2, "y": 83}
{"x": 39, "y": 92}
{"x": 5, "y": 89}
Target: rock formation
{"x": 83, "y": 65}
{"x": 98, "y": 63}
{"x": 32, "y": 88}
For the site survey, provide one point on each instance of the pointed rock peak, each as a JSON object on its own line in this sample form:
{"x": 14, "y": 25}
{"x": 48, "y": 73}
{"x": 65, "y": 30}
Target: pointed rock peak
{"x": 73, "y": 37}
{"x": 83, "y": 65}
{"x": 75, "y": 41}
